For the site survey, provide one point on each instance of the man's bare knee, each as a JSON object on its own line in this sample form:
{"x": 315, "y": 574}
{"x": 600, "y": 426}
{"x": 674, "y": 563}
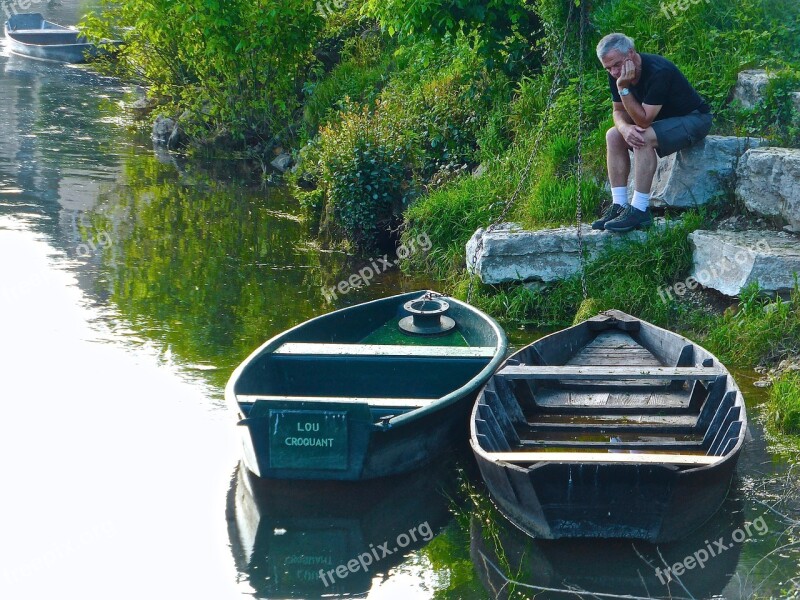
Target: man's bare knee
{"x": 614, "y": 140}
{"x": 650, "y": 138}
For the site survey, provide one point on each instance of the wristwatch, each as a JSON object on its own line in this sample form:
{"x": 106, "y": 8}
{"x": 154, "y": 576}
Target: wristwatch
{"x": 624, "y": 92}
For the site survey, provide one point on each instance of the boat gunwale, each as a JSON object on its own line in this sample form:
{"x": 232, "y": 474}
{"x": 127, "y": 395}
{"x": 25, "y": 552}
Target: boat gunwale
{"x": 436, "y": 404}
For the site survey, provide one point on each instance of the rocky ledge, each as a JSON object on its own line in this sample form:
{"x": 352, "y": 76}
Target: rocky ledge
{"x": 728, "y": 261}
{"x": 508, "y": 252}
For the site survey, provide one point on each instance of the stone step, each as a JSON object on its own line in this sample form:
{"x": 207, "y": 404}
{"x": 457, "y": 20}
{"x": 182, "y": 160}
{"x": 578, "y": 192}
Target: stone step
{"x": 510, "y": 253}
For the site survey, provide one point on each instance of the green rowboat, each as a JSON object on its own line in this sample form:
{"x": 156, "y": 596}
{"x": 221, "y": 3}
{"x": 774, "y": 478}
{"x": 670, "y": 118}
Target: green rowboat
{"x": 373, "y": 390}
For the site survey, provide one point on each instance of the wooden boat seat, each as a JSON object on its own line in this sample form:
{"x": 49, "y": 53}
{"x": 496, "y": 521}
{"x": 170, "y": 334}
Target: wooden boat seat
{"x": 607, "y": 373}
{"x": 388, "y": 350}
{"x": 374, "y": 402}
{"x": 601, "y": 458}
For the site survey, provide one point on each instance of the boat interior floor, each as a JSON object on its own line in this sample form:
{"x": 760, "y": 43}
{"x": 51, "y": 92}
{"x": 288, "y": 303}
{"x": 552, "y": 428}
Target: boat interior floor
{"x": 612, "y": 395}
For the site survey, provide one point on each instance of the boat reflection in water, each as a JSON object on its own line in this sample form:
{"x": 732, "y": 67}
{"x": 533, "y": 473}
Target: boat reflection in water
{"x": 284, "y": 532}
{"x": 511, "y": 564}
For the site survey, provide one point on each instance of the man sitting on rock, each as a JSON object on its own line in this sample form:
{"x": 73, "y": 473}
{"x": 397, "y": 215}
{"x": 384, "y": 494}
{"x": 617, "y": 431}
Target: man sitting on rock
{"x": 656, "y": 111}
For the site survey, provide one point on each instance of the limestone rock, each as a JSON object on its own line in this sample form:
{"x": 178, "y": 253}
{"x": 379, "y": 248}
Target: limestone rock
{"x": 142, "y": 107}
{"x": 162, "y": 129}
{"x": 750, "y": 86}
{"x": 510, "y": 253}
{"x": 480, "y": 170}
{"x": 692, "y": 177}
{"x": 178, "y": 138}
{"x": 282, "y": 162}
{"x": 769, "y": 183}
{"x": 728, "y": 261}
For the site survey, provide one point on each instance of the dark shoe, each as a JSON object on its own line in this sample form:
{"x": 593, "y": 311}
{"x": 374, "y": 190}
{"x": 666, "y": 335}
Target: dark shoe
{"x": 612, "y": 212}
{"x": 631, "y": 218}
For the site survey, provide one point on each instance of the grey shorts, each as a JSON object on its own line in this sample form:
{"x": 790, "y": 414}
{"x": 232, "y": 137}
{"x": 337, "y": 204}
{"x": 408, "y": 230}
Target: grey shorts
{"x": 677, "y": 133}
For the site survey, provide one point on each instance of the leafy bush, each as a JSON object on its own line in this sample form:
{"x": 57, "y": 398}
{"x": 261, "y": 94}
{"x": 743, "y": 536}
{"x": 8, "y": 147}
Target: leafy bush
{"x": 237, "y": 63}
{"x": 366, "y": 165}
{"x": 507, "y": 28}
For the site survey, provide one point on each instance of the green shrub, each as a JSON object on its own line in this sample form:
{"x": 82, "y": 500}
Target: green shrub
{"x": 236, "y": 64}
{"x": 506, "y": 28}
{"x": 367, "y": 164}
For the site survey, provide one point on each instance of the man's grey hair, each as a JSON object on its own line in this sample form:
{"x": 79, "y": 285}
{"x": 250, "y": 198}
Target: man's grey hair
{"x": 614, "y": 41}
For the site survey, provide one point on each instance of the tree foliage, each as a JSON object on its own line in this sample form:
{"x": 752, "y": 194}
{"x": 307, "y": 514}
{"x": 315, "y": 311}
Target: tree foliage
{"x": 237, "y": 63}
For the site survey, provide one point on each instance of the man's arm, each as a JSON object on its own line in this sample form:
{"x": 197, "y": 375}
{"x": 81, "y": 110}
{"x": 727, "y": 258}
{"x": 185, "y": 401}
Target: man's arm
{"x": 642, "y": 115}
{"x": 621, "y": 116}
{"x": 631, "y": 133}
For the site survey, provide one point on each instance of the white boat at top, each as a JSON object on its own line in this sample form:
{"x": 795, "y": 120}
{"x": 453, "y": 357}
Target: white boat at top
{"x": 31, "y": 35}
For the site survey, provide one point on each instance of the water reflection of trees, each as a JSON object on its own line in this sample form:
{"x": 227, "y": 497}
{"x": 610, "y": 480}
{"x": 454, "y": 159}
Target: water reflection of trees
{"x": 210, "y": 268}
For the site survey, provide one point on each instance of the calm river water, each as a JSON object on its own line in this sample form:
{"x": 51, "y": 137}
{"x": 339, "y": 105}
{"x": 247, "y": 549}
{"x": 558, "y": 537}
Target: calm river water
{"x": 131, "y": 285}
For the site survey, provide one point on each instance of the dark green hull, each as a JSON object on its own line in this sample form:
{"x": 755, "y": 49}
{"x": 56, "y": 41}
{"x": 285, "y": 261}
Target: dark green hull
{"x": 345, "y": 396}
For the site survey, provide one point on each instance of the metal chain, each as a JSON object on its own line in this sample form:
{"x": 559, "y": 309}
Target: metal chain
{"x": 579, "y": 210}
{"x": 537, "y": 142}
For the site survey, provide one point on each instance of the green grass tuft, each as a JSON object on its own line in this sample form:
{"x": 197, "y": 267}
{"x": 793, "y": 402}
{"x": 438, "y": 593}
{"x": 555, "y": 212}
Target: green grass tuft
{"x": 759, "y": 332}
{"x": 783, "y": 407}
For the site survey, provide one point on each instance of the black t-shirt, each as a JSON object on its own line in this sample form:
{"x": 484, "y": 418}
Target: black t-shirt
{"x": 661, "y": 82}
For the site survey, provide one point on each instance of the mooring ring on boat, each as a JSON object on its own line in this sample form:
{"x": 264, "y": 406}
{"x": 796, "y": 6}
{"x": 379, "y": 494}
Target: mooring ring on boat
{"x": 427, "y": 317}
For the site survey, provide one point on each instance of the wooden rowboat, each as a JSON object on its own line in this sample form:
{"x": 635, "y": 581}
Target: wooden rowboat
{"x": 31, "y": 35}
{"x": 350, "y": 396}
{"x": 613, "y": 428}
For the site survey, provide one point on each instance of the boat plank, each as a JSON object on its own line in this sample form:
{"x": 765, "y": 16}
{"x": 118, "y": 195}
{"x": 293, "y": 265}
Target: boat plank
{"x": 626, "y": 427}
{"x": 669, "y": 444}
{"x": 611, "y": 360}
{"x": 555, "y": 398}
{"x": 678, "y": 421}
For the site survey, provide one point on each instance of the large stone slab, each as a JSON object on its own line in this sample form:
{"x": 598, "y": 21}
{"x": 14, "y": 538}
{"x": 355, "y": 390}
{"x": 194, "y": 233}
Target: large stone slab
{"x": 769, "y": 183}
{"x": 694, "y": 176}
{"x": 728, "y": 261}
{"x": 510, "y": 253}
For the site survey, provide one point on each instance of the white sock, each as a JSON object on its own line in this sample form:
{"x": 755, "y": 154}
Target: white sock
{"x": 620, "y": 195}
{"x": 641, "y": 201}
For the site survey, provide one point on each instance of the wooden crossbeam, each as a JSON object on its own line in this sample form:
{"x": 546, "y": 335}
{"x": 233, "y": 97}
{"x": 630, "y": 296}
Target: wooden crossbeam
{"x": 606, "y": 373}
